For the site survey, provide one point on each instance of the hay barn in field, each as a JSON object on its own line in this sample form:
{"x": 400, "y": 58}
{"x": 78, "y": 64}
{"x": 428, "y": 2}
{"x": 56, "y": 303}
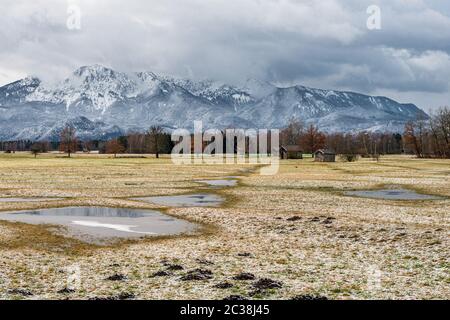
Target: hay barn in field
{"x": 291, "y": 152}
{"x": 324, "y": 156}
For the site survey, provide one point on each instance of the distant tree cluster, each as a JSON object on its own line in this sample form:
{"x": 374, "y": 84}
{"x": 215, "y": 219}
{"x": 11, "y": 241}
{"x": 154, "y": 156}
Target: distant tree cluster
{"x": 366, "y": 144}
{"x": 310, "y": 138}
{"x": 154, "y": 141}
{"x": 423, "y": 137}
{"x": 13, "y": 146}
{"x": 40, "y": 147}
{"x": 429, "y": 137}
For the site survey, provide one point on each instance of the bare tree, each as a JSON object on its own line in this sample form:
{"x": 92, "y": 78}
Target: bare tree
{"x": 136, "y": 142}
{"x": 413, "y": 136}
{"x": 11, "y": 147}
{"x": 68, "y": 140}
{"x": 114, "y": 147}
{"x": 154, "y": 134}
{"x": 312, "y": 139}
{"x": 437, "y": 147}
{"x": 36, "y": 148}
{"x": 292, "y": 133}
{"x": 443, "y": 122}
{"x": 88, "y": 146}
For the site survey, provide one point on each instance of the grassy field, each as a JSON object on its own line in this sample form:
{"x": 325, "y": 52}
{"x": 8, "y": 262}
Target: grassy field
{"x": 336, "y": 246}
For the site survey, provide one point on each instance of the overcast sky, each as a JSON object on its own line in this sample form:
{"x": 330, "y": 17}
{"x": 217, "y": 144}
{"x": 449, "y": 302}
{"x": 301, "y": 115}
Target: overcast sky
{"x": 322, "y": 43}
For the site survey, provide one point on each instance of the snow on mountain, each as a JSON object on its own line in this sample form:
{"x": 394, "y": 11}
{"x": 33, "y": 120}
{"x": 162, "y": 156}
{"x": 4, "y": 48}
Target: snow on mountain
{"x": 18, "y": 91}
{"x": 95, "y": 85}
{"x": 101, "y": 103}
{"x": 85, "y": 128}
{"x": 215, "y": 92}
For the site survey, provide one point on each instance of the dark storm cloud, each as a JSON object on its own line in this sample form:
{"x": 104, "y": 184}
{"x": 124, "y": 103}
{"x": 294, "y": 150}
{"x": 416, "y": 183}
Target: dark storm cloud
{"x": 319, "y": 43}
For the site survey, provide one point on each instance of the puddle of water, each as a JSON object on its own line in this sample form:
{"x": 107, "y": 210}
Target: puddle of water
{"x": 189, "y": 200}
{"x": 28, "y": 199}
{"x": 219, "y": 183}
{"x": 392, "y": 194}
{"x": 96, "y": 224}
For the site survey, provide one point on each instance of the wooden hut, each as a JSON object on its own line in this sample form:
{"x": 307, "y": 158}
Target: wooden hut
{"x": 324, "y": 156}
{"x": 291, "y": 152}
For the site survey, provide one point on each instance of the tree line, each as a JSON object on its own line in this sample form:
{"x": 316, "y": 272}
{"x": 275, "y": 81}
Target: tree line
{"x": 423, "y": 137}
{"x": 154, "y": 141}
{"x": 430, "y": 137}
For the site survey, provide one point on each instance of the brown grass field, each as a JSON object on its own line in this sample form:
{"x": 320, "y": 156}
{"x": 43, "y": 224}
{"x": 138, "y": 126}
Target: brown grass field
{"x": 339, "y": 247}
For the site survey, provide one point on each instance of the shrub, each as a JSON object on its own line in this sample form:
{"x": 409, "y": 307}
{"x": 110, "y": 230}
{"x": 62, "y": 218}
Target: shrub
{"x": 349, "y": 157}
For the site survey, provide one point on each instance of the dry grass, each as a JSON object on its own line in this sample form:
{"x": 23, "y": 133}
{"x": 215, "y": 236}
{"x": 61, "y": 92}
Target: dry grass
{"x": 371, "y": 249}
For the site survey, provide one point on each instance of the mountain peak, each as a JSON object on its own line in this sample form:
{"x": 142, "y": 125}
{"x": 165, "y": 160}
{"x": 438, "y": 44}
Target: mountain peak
{"x": 97, "y": 73}
{"x": 258, "y": 88}
{"x": 93, "y": 69}
{"x": 29, "y": 81}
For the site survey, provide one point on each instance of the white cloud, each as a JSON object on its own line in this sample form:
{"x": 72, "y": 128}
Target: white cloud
{"x": 431, "y": 61}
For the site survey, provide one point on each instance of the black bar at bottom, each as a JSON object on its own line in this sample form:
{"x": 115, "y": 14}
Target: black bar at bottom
{"x": 221, "y": 309}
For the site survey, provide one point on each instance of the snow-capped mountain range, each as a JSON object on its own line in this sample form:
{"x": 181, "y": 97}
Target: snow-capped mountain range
{"x": 102, "y": 103}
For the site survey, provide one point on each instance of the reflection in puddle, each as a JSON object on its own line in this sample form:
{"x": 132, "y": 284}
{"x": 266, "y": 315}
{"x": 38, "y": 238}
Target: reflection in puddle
{"x": 219, "y": 183}
{"x": 99, "y": 223}
{"x": 118, "y": 227}
{"x": 392, "y": 194}
{"x": 190, "y": 200}
{"x": 28, "y": 199}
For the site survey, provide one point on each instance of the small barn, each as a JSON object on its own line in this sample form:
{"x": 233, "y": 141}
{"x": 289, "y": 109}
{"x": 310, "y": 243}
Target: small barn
{"x": 291, "y": 152}
{"x": 324, "y": 156}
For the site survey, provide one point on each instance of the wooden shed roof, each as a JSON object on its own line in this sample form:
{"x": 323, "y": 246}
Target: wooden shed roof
{"x": 292, "y": 148}
{"x": 327, "y": 151}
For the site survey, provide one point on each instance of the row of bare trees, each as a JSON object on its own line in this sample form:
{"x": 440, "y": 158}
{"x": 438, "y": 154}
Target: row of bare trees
{"x": 68, "y": 142}
{"x": 13, "y": 146}
{"x": 423, "y": 137}
{"x": 309, "y": 138}
{"x": 429, "y": 137}
{"x": 154, "y": 141}
{"x": 365, "y": 143}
